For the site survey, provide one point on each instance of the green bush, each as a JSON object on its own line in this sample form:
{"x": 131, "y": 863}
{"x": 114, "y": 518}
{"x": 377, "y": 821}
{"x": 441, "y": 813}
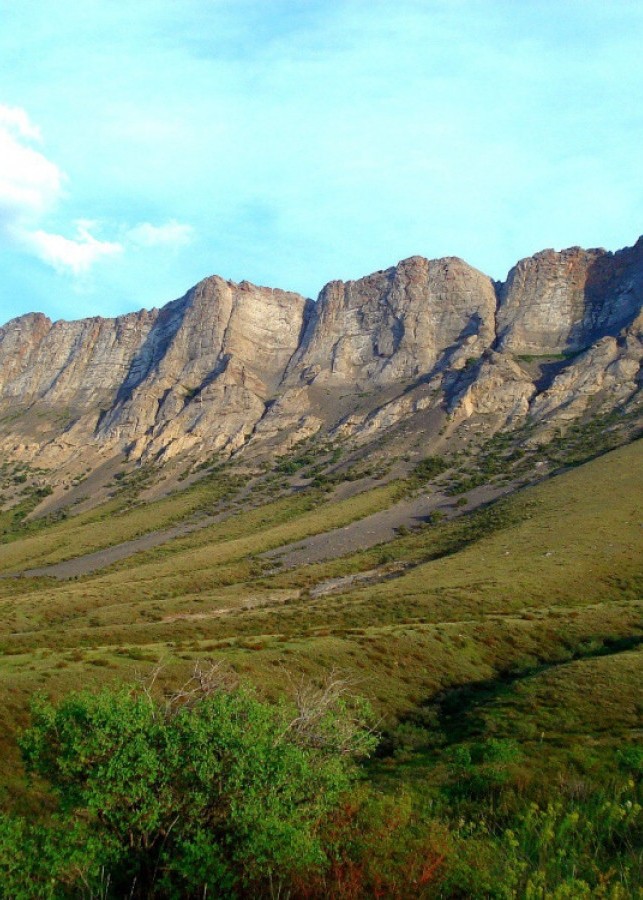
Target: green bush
{"x": 482, "y": 767}
{"x": 428, "y": 468}
{"x": 212, "y": 791}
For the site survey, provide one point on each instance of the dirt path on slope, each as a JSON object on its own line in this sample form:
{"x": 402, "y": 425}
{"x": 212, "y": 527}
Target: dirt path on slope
{"x": 360, "y": 535}
{"x": 378, "y": 528}
{"x": 100, "y": 559}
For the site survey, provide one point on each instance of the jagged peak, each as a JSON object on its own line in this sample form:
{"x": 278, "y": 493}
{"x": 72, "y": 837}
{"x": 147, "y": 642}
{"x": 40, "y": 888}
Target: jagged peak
{"x": 230, "y": 361}
{"x": 30, "y": 318}
{"x": 243, "y": 286}
{"x": 409, "y": 262}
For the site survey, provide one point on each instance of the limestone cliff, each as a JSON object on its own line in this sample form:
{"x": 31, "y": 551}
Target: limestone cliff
{"x": 396, "y": 324}
{"x": 235, "y": 368}
{"x": 563, "y": 302}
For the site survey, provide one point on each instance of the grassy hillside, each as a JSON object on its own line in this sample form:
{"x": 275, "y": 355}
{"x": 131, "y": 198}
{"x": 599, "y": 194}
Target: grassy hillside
{"x": 552, "y": 562}
{"x": 519, "y": 622}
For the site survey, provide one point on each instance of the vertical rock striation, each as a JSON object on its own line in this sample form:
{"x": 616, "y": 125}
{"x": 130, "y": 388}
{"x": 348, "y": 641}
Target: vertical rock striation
{"x": 563, "y": 302}
{"x": 234, "y": 366}
{"x": 394, "y": 325}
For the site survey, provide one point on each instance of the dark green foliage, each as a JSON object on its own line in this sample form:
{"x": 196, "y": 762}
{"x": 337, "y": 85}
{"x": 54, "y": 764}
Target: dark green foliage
{"x": 12, "y": 521}
{"x": 211, "y": 791}
{"x": 630, "y": 760}
{"x": 428, "y": 468}
{"x": 290, "y": 465}
{"x": 481, "y": 768}
{"x": 26, "y": 855}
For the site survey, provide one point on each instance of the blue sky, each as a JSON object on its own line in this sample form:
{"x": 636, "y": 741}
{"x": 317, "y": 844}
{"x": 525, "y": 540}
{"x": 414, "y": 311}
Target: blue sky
{"x": 149, "y": 143}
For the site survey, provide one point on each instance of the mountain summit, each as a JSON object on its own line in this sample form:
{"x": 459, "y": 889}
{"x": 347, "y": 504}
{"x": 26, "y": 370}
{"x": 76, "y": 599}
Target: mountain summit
{"x": 426, "y": 345}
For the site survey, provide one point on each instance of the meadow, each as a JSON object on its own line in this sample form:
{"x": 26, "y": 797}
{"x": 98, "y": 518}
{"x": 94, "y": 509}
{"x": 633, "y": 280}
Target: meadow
{"x": 500, "y": 650}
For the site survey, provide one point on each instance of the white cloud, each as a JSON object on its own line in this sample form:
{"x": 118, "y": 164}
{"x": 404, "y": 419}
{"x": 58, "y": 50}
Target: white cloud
{"x": 16, "y": 120}
{"x": 172, "y": 233}
{"x": 30, "y": 187}
{"x": 29, "y": 183}
{"x": 76, "y": 255}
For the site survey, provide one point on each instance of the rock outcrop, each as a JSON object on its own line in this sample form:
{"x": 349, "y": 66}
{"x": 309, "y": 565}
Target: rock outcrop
{"x": 395, "y": 325}
{"x": 238, "y": 368}
{"x": 563, "y": 302}
{"x": 208, "y": 370}
{"x": 78, "y": 364}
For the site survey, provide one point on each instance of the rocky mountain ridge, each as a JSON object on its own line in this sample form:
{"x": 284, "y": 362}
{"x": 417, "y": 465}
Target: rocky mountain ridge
{"x": 240, "y": 369}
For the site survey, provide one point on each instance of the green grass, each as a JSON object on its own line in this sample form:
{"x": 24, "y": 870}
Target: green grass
{"x": 530, "y": 609}
{"x": 109, "y": 524}
{"x": 532, "y": 551}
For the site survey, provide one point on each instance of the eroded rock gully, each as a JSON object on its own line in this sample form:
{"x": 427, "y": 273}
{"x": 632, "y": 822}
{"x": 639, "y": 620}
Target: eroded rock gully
{"x": 235, "y": 368}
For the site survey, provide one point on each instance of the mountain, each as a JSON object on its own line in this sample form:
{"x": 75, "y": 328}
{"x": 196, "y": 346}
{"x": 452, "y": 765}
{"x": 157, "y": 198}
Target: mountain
{"x": 427, "y": 346}
{"x": 422, "y": 488}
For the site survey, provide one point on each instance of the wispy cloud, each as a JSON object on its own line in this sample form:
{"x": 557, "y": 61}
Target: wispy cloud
{"x": 172, "y": 233}
{"x": 31, "y": 186}
{"x": 29, "y": 183}
{"x": 305, "y": 140}
{"x": 76, "y": 255}
{"x": 16, "y": 120}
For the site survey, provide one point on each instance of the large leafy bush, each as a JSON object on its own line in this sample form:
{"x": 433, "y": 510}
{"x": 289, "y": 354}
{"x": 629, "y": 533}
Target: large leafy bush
{"x": 211, "y": 792}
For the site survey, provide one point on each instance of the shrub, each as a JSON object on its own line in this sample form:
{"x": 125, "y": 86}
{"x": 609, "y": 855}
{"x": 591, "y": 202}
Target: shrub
{"x": 481, "y": 768}
{"x": 429, "y": 468}
{"x": 211, "y": 791}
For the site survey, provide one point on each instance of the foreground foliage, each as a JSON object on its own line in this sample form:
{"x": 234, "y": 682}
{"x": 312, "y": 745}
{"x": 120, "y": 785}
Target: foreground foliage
{"x": 211, "y": 792}
{"x": 502, "y": 650}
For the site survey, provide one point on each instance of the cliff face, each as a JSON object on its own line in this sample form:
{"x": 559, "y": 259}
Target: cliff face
{"x": 563, "y": 302}
{"x": 232, "y": 367}
{"x": 77, "y": 363}
{"x": 396, "y": 324}
{"x": 207, "y": 369}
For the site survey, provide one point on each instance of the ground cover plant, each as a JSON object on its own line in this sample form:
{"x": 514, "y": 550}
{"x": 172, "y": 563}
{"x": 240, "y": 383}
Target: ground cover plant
{"x": 211, "y": 790}
{"x": 499, "y": 650}
{"x": 207, "y": 790}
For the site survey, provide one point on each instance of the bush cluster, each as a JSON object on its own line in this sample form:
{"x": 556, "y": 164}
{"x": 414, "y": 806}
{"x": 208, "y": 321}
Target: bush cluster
{"x": 211, "y": 792}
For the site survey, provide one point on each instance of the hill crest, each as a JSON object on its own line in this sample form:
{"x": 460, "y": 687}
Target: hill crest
{"x": 426, "y": 345}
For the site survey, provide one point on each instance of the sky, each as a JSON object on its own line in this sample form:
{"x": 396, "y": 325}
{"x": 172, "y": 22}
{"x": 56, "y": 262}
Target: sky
{"x": 147, "y": 144}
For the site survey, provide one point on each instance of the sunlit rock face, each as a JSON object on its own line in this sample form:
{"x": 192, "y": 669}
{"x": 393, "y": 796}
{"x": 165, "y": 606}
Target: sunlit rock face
{"x": 395, "y": 325}
{"x": 563, "y": 302}
{"x": 236, "y": 368}
{"x": 77, "y": 363}
{"x": 209, "y": 369}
